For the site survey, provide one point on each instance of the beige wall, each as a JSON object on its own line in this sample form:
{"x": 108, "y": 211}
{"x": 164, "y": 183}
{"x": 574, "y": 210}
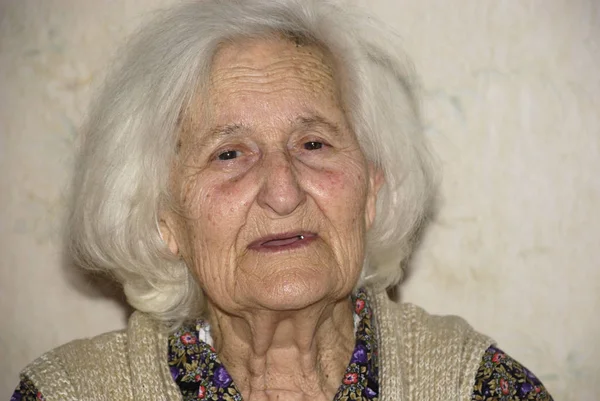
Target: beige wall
{"x": 511, "y": 97}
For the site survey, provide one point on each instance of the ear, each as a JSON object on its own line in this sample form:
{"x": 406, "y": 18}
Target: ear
{"x": 376, "y": 180}
{"x": 166, "y": 229}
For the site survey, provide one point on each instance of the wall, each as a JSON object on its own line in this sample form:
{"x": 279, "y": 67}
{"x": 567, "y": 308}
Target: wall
{"x": 511, "y": 93}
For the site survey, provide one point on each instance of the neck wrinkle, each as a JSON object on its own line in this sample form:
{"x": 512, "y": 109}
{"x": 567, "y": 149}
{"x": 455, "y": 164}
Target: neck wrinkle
{"x": 282, "y": 353}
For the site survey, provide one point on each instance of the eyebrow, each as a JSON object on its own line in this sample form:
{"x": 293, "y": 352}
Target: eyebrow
{"x": 313, "y": 121}
{"x": 226, "y": 130}
{"x": 306, "y": 123}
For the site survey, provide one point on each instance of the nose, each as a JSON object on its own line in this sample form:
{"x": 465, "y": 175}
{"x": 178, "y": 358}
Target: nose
{"x": 280, "y": 192}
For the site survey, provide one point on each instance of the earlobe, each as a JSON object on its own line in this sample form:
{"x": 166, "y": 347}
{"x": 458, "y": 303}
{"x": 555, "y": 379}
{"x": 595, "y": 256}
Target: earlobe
{"x": 376, "y": 181}
{"x": 167, "y": 234}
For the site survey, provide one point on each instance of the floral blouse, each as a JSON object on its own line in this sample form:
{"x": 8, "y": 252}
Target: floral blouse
{"x": 200, "y": 375}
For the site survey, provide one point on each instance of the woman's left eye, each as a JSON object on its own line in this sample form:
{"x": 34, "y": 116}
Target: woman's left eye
{"x": 229, "y": 155}
{"x": 313, "y": 145}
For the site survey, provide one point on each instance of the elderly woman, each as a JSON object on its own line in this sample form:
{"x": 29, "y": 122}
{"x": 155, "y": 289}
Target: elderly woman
{"x": 254, "y": 175}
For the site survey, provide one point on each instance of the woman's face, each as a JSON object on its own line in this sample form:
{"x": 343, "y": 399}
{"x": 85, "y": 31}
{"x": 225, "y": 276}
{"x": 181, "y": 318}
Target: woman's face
{"x": 276, "y": 195}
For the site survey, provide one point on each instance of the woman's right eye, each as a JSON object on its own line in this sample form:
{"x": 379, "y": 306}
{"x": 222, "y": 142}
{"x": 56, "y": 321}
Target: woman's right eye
{"x": 313, "y": 145}
{"x": 229, "y": 155}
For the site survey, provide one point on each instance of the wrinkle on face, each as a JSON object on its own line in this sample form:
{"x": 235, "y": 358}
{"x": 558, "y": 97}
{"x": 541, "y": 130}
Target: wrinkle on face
{"x": 297, "y": 69}
{"x": 264, "y": 98}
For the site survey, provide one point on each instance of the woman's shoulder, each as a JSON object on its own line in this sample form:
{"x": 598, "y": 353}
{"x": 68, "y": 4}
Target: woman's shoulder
{"x": 497, "y": 376}
{"x": 446, "y": 341}
{"x": 408, "y": 320}
{"x": 85, "y": 352}
{"x": 452, "y": 353}
{"x": 92, "y": 357}
{"x": 102, "y": 364}
{"x": 60, "y": 370}
{"x": 417, "y": 318}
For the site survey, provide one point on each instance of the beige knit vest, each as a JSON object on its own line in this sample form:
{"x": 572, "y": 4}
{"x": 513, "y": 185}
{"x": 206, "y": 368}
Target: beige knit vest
{"x": 422, "y": 358}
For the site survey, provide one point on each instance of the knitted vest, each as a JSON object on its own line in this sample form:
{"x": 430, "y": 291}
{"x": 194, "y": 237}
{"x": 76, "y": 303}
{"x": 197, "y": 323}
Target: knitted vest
{"x": 421, "y": 357}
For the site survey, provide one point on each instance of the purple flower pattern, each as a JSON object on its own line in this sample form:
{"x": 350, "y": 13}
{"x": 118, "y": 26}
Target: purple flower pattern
{"x": 501, "y": 378}
{"x": 26, "y": 391}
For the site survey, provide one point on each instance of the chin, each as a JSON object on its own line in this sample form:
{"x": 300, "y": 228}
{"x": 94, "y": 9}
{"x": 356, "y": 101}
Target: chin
{"x": 293, "y": 291}
{"x": 293, "y": 280}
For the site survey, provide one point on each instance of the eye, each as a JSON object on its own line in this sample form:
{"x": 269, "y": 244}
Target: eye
{"x": 313, "y": 145}
{"x": 229, "y": 155}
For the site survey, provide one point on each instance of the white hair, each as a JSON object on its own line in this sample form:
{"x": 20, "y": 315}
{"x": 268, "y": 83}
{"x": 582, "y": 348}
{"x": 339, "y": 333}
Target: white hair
{"x": 129, "y": 142}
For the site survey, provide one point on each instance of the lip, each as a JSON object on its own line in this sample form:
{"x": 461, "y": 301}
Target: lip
{"x": 283, "y": 241}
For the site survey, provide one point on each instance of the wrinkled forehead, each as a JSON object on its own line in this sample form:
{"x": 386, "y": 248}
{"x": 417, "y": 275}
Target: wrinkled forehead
{"x": 265, "y": 57}
{"x": 288, "y": 66}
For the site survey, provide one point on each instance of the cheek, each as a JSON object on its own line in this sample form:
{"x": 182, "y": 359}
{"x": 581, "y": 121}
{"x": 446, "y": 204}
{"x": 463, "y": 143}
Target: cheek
{"x": 223, "y": 204}
{"x": 340, "y": 192}
{"x": 333, "y": 181}
{"x": 218, "y": 211}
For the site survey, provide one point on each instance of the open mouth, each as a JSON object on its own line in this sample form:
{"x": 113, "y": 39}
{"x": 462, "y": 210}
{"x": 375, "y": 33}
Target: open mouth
{"x": 283, "y": 242}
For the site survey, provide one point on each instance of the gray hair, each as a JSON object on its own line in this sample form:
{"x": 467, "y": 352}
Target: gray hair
{"x": 129, "y": 142}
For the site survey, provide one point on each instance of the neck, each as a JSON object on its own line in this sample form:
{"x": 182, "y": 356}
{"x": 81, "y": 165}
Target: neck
{"x": 291, "y": 355}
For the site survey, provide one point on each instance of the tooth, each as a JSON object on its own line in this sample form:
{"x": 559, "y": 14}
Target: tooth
{"x": 301, "y": 237}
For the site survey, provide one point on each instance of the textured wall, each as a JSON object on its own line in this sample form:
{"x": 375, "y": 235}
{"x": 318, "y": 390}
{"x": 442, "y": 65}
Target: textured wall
{"x": 511, "y": 95}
